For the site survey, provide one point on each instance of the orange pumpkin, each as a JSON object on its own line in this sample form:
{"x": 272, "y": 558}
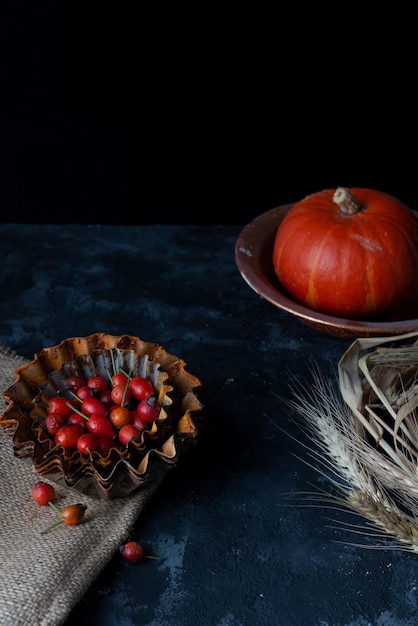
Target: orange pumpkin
{"x": 348, "y": 252}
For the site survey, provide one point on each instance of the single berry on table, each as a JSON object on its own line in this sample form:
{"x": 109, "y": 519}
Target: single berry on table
{"x": 43, "y": 493}
{"x": 133, "y": 552}
{"x": 72, "y": 515}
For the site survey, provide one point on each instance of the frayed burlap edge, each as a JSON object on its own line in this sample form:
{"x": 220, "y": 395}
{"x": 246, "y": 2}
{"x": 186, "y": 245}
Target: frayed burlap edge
{"x": 42, "y": 577}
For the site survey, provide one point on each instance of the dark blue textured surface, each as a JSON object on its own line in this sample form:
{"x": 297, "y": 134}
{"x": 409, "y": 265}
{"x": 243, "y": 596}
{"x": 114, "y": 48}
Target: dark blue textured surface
{"x": 233, "y": 551}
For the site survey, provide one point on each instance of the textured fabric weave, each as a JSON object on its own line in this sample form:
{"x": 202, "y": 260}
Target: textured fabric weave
{"x": 42, "y": 577}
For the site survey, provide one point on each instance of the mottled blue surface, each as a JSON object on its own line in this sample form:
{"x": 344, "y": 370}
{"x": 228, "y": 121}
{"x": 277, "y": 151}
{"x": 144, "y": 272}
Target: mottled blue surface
{"x": 233, "y": 551}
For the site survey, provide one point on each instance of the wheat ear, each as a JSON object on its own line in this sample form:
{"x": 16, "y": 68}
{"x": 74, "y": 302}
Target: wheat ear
{"x": 363, "y": 477}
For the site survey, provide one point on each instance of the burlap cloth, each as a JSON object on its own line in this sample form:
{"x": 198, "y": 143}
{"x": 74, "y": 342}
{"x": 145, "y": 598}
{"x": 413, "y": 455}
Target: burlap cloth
{"x": 43, "y": 576}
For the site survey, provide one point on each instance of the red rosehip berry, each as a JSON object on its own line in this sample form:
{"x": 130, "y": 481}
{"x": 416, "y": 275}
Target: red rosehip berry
{"x": 127, "y": 433}
{"x": 141, "y": 387}
{"x": 101, "y": 426}
{"x": 72, "y": 515}
{"x": 119, "y": 379}
{"x": 75, "y": 382}
{"x": 93, "y": 405}
{"x": 43, "y": 493}
{"x": 148, "y": 409}
{"x": 87, "y": 443}
{"x": 97, "y": 383}
{"x": 60, "y": 405}
{"x": 133, "y": 552}
{"x": 54, "y": 421}
{"x": 67, "y": 436}
{"x": 104, "y": 446}
{"x": 120, "y": 416}
{"x": 121, "y": 394}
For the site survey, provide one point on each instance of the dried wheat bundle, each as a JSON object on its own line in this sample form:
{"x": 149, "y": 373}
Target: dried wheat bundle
{"x": 367, "y": 433}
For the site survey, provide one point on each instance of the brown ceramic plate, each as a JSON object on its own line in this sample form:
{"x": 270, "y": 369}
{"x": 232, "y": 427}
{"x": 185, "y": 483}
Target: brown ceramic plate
{"x": 253, "y": 256}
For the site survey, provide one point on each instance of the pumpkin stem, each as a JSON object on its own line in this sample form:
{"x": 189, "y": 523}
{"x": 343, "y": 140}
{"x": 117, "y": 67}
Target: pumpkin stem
{"x": 348, "y": 204}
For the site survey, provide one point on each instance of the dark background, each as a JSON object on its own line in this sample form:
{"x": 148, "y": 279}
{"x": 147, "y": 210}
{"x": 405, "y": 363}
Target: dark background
{"x": 150, "y": 112}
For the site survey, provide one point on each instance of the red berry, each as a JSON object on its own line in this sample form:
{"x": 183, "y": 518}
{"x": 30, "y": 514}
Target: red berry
{"x": 76, "y": 418}
{"x": 84, "y": 392}
{"x": 148, "y": 409}
{"x": 54, "y": 421}
{"x": 87, "y": 443}
{"x": 75, "y": 382}
{"x": 141, "y": 387}
{"x": 73, "y": 514}
{"x": 67, "y": 436}
{"x": 119, "y": 379}
{"x": 97, "y": 383}
{"x": 104, "y": 446}
{"x": 140, "y": 423}
{"x": 121, "y": 394}
{"x": 133, "y": 552}
{"x": 93, "y": 405}
{"x": 106, "y": 397}
{"x": 120, "y": 416}
{"x": 127, "y": 433}
{"x": 43, "y": 493}
{"x": 60, "y": 405}
{"x": 101, "y": 426}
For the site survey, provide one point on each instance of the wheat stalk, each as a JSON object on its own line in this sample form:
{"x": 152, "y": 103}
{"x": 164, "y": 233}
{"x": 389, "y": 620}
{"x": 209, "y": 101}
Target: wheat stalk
{"x": 375, "y": 477}
{"x": 390, "y": 519}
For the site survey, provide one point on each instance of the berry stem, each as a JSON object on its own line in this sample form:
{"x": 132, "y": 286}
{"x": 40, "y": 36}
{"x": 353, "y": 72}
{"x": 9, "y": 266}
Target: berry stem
{"x": 51, "y": 504}
{"x": 60, "y": 521}
{"x": 150, "y": 556}
{"x": 109, "y": 375}
{"x": 113, "y": 362}
{"x": 129, "y": 376}
{"x": 51, "y": 450}
{"x": 77, "y": 411}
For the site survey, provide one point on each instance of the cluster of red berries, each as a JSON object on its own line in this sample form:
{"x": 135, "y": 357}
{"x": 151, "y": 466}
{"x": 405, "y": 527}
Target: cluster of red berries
{"x": 101, "y": 414}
